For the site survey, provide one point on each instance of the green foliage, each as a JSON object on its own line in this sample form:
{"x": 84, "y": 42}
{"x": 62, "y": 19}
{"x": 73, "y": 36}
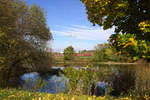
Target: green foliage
{"x": 129, "y": 46}
{"x": 135, "y": 78}
{"x": 143, "y": 80}
{"x": 142, "y": 87}
{"x": 126, "y": 16}
{"x": 69, "y": 53}
{"x": 145, "y": 26}
{"x": 105, "y": 12}
{"x": 83, "y": 80}
{"x": 38, "y": 85}
{"x": 103, "y": 52}
{"x": 23, "y": 38}
{"x": 12, "y": 94}
{"x": 79, "y": 80}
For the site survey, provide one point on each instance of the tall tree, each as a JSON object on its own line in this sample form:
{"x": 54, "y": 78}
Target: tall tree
{"x": 125, "y": 15}
{"x": 128, "y": 17}
{"x": 23, "y": 38}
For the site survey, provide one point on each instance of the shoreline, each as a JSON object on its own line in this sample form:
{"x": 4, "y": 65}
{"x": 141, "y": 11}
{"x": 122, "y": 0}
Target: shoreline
{"x": 95, "y": 63}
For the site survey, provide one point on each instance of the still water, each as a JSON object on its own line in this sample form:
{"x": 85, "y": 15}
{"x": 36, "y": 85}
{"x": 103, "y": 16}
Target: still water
{"x": 122, "y": 79}
{"x": 51, "y": 83}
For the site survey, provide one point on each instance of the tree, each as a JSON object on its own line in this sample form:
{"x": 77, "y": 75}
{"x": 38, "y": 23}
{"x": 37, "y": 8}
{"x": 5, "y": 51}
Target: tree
{"x": 99, "y": 54}
{"x": 104, "y": 52}
{"x": 127, "y": 16}
{"x": 69, "y": 53}
{"x": 23, "y": 38}
{"x": 128, "y": 45}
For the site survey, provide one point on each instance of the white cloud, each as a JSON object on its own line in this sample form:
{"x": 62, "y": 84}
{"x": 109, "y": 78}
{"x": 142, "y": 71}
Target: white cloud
{"x": 76, "y": 45}
{"x": 82, "y": 46}
{"x": 85, "y": 32}
{"x": 90, "y": 35}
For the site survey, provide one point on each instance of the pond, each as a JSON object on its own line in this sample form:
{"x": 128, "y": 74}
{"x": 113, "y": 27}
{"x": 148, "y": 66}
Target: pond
{"x": 51, "y": 83}
{"x": 122, "y": 79}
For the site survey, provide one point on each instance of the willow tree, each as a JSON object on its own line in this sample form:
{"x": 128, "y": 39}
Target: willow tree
{"x": 23, "y": 38}
{"x": 126, "y": 16}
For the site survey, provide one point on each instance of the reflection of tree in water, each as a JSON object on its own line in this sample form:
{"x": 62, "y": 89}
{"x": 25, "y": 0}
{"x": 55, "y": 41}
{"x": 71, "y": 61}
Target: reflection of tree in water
{"x": 123, "y": 81}
{"x": 10, "y": 77}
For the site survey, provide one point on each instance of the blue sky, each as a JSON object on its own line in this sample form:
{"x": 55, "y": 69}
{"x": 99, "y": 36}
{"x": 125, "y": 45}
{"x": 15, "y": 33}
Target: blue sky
{"x": 69, "y": 25}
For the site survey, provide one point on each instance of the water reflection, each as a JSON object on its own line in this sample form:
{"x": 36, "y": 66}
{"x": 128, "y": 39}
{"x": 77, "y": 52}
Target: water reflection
{"x": 122, "y": 78}
{"x": 52, "y": 83}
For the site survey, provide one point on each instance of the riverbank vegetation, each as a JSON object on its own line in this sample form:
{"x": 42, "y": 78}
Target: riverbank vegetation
{"x": 126, "y": 80}
{"x": 106, "y": 53}
{"x": 12, "y": 94}
{"x": 127, "y": 83}
{"x": 23, "y": 48}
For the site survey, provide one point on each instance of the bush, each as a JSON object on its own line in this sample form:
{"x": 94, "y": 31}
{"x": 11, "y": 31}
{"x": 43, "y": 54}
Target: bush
{"x": 69, "y": 53}
{"x": 85, "y": 80}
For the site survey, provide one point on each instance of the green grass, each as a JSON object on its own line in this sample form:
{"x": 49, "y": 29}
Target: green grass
{"x": 13, "y": 94}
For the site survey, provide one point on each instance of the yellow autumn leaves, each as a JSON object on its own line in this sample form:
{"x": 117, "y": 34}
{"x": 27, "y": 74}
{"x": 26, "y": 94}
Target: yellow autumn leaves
{"x": 131, "y": 42}
{"x": 145, "y": 26}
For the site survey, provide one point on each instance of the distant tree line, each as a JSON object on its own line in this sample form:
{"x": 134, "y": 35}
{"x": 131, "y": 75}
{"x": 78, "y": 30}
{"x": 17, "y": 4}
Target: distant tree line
{"x": 102, "y": 53}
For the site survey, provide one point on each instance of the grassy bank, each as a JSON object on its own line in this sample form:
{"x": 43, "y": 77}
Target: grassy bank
{"x": 76, "y": 61}
{"x": 72, "y": 63}
{"x": 13, "y": 94}
{"x": 84, "y": 61}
